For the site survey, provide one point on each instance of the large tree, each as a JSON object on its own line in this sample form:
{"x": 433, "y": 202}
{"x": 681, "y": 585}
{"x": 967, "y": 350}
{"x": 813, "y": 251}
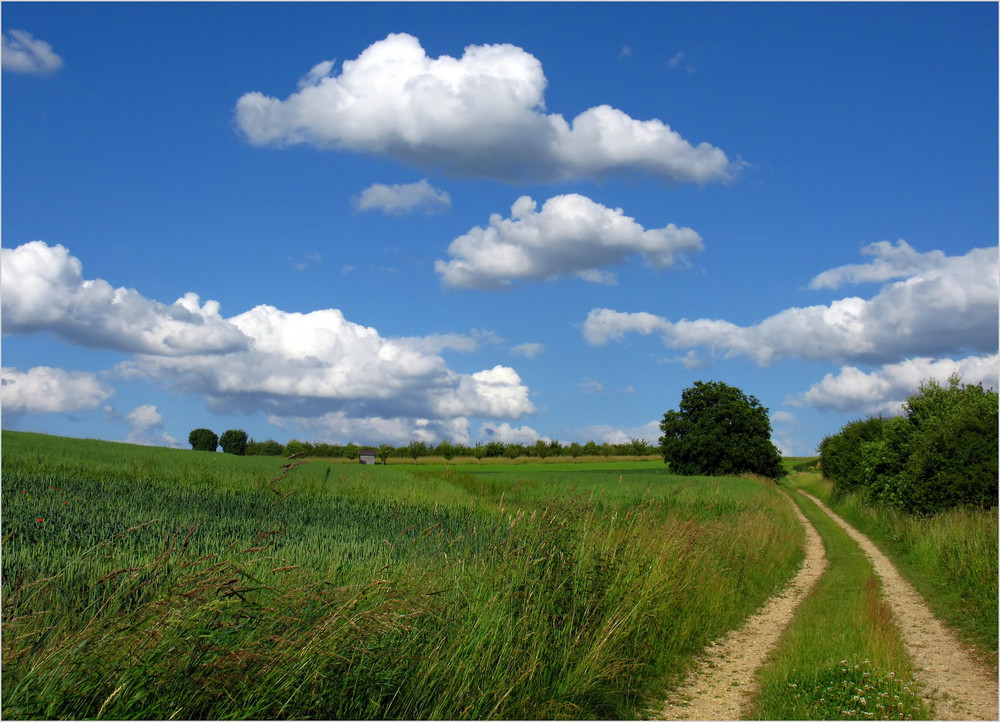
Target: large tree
{"x": 203, "y": 440}
{"x": 719, "y": 430}
{"x": 234, "y": 441}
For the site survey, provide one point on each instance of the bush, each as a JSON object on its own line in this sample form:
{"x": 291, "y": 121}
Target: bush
{"x": 203, "y": 440}
{"x": 234, "y": 441}
{"x": 941, "y": 454}
{"x": 719, "y": 430}
{"x": 264, "y": 448}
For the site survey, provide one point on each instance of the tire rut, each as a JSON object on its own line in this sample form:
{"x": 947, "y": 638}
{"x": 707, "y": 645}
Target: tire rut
{"x": 723, "y": 682}
{"x": 956, "y": 682}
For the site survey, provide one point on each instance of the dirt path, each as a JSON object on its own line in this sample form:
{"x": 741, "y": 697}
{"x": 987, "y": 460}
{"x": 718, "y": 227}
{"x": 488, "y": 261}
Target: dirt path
{"x": 961, "y": 687}
{"x": 721, "y": 686}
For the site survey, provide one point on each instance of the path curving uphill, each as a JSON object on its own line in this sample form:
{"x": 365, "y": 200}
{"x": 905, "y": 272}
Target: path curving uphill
{"x": 721, "y": 685}
{"x": 961, "y": 687}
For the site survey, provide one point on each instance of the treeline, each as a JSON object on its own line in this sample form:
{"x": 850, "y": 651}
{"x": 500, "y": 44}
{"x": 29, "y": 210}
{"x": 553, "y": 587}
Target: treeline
{"x": 448, "y": 450}
{"x": 940, "y": 454}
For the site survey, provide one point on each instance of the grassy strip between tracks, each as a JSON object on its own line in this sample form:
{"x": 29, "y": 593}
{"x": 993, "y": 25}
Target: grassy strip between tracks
{"x": 842, "y": 656}
{"x": 950, "y": 558}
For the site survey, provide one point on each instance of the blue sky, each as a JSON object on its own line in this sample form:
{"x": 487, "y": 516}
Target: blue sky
{"x": 381, "y": 223}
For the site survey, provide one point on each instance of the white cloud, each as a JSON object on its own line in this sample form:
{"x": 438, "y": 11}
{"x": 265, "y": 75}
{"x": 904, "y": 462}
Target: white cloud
{"x": 22, "y": 53}
{"x": 290, "y": 365}
{"x": 884, "y": 390}
{"x": 49, "y": 390}
{"x": 377, "y": 430}
{"x": 144, "y": 417}
{"x": 507, "y": 434}
{"x": 613, "y": 435}
{"x": 528, "y": 350}
{"x": 899, "y": 261}
{"x": 402, "y": 199}
{"x": 571, "y": 235}
{"x": 480, "y": 115}
{"x": 946, "y": 307}
{"x": 307, "y": 365}
{"x": 44, "y": 290}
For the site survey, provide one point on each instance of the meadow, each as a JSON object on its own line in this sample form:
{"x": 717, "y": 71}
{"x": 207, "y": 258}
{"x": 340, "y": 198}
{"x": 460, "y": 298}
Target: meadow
{"x": 155, "y": 583}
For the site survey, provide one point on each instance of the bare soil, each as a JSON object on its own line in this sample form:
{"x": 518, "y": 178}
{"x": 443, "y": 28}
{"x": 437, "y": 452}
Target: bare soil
{"x": 958, "y": 684}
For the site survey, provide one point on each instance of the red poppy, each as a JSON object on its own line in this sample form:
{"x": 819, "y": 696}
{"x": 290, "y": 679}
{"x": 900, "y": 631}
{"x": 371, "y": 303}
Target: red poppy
{"x": 40, "y": 519}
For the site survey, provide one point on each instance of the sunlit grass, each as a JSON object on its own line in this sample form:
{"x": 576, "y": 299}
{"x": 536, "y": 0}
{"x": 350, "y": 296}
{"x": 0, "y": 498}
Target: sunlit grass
{"x": 166, "y": 583}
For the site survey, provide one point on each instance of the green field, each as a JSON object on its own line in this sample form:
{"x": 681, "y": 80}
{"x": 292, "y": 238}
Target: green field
{"x": 154, "y": 583}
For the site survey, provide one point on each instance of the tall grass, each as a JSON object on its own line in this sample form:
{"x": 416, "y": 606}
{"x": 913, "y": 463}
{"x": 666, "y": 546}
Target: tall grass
{"x": 179, "y": 584}
{"x": 950, "y": 557}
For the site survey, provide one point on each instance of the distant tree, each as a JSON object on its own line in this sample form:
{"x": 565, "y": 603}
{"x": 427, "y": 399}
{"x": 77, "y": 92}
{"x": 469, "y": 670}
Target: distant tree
{"x": 234, "y": 441}
{"x": 203, "y": 440}
{"x": 719, "y": 430}
{"x": 383, "y": 453}
{"x": 416, "y": 449}
{"x": 446, "y": 449}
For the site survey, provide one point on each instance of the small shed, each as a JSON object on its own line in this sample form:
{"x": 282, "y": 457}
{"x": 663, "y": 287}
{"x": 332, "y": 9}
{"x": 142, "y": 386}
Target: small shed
{"x": 367, "y": 456}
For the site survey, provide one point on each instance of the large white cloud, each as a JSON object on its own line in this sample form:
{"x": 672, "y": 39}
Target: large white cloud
{"x": 570, "y": 235}
{"x": 480, "y": 115}
{"x": 23, "y": 53}
{"x": 49, "y": 390}
{"x": 290, "y": 365}
{"x": 884, "y": 390}
{"x": 312, "y": 364}
{"x": 945, "y": 305}
{"x": 44, "y": 290}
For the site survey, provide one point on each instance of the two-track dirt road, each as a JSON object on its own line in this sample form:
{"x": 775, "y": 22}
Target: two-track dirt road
{"x": 959, "y": 685}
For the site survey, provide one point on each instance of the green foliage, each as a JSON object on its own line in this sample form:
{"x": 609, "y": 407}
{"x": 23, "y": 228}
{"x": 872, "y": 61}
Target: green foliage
{"x": 203, "y": 440}
{"x": 234, "y": 441}
{"x": 264, "y": 448}
{"x": 941, "y": 454}
{"x": 718, "y": 430}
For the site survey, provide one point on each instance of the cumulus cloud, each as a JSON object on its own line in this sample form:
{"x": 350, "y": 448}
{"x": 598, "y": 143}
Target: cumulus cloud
{"x": 49, "y": 390}
{"x": 377, "y": 430}
{"x": 481, "y": 115}
{"x": 146, "y": 416}
{"x": 899, "y": 261}
{"x": 311, "y": 364}
{"x": 507, "y": 434}
{"x": 44, "y": 290}
{"x": 948, "y": 305}
{"x": 315, "y": 365}
{"x": 602, "y": 434}
{"x": 884, "y": 390}
{"x": 403, "y": 199}
{"x": 23, "y": 53}
{"x": 570, "y": 235}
